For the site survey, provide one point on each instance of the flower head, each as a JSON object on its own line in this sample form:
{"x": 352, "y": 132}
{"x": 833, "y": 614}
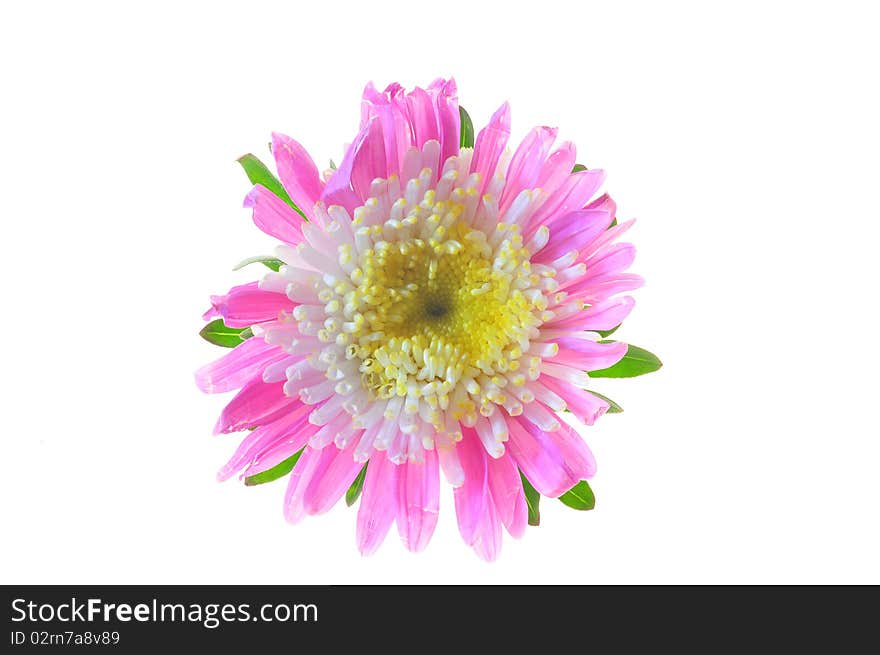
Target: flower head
{"x": 434, "y": 307}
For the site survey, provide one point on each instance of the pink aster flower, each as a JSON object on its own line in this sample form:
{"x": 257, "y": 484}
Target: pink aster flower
{"x": 435, "y": 308}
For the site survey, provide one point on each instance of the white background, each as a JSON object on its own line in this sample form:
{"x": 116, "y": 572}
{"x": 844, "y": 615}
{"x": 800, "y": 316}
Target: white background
{"x": 744, "y": 136}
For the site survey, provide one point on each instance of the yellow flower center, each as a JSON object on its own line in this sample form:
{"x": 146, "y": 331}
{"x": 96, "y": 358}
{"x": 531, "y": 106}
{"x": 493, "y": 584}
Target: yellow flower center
{"x": 438, "y": 305}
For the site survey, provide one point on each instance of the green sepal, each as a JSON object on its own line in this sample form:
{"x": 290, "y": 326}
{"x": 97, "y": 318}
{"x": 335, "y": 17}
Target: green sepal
{"x": 467, "y": 129}
{"x": 607, "y": 333}
{"x": 266, "y": 260}
{"x": 636, "y": 361}
{"x": 533, "y": 499}
{"x": 354, "y": 491}
{"x": 277, "y": 471}
{"x": 579, "y": 497}
{"x": 220, "y": 334}
{"x": 259, "y": 173}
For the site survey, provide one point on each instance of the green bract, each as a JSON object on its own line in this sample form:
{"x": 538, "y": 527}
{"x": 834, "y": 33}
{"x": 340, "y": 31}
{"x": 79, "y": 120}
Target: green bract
{"x": 533, "y": 499}
{"x": 636, "y": 361}
{"x": 277, "y": 471}
{"x": 354, "y": 491}
{"x": 258, "y": 173}
{"x": 266, "y": 260}
{"x": 220, "y": 334}
{"x": 580, "y": 496}
{"x": 467, "y": 129}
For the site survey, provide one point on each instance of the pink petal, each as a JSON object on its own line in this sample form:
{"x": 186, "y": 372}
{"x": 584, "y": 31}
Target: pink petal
{"x": 489, "y": 145}
{"x": 586, "y": 407}
{"x": 506, "y": 488}
{"x": 298, "y": 173}
{"x": 472, "y": 499}
{"x": 265, "y": 437}
{"x": 300, "y": 477}
{"x": 422, "y": 117}
{"x": 598, "y": 289}
{"x": 526, "y": 164}
{"x": 394, "y": 126}
{"x": 611, "y": 234}
{"x": 418, "y": 501}
{"x": 211, "y": 313}
{"x": 378, "y": 504}
{"x": 587, "y": 355}
{"x": 238, "y": 366}
{"x": 557, "y": 169}
{"x": 577, "y": 189}
{"x": 334, "y": 474}
{"x": 274, "y": 216}
{"x": 487, "y": 540}
{"x": 604, "y": 203}
{"x": 369, "y": 160}
{"x": 601, "y": 316}
{"x": 272, "y": 454}
{"x": 576, "y": 460}
{"x": 247, "y": 304}
{"x": 539, "y": 459}
{"x": 612, "y": 259}
{"x": 577, "y": 456}
{"x": 575, "y": 231}
{"x": 257, "y": 403}
{"x": 445, "y": 98}
{"x": 478, "y": 519}
{"x": 339, "y": 187}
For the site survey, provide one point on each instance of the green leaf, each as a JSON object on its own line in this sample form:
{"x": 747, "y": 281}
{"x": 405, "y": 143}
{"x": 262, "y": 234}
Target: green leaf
{"x": 220, "y": 334}
{"x": 580, "y": 497}
{"x": 533, "y": 498}
{"x": 332, "y": 165}
{"x": 277, "y": 471}
{"x": 266, "y": 260}
{"x": 354, "y": 490}
{"x": 467, "y": 129}
{"x": 614, "y": 407}
{"x": 613, "y": 223}
{"x": 636, "y": 361}
{"x": 607, "y": 333}
{"x": 258, "y": 173}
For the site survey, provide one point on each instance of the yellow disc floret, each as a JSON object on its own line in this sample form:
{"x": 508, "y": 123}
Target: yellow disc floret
{"x": 438, "y": 310}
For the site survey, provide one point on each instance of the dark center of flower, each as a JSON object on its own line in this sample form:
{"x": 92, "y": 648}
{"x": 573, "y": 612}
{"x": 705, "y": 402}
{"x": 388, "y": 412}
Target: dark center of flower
{"x": 436, "y": 308}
